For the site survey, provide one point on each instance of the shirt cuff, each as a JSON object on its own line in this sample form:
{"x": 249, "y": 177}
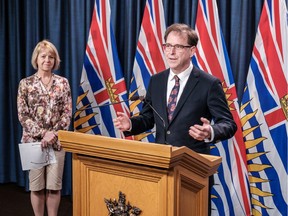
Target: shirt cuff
{"x": 129, "y": 130}
{"x": 212, "y": 135}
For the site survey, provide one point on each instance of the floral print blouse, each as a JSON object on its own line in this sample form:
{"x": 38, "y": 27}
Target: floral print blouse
{"x": 41, "y": 110}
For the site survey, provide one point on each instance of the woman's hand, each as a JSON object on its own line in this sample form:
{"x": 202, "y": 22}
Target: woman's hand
{"x": 49, "y": 139}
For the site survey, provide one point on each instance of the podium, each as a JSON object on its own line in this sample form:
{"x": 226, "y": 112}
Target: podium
{"x": 160, "y": 180}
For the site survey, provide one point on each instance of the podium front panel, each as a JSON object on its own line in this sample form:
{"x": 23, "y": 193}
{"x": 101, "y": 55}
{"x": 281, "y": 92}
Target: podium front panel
{"x": 98, "y": 179}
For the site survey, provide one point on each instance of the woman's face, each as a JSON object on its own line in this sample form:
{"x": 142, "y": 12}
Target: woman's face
{"x": 45, "y": 60}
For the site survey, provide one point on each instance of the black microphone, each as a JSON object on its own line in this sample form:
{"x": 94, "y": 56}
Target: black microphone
{"x": 133, "y": 98}
{"x": 142, "y": 98}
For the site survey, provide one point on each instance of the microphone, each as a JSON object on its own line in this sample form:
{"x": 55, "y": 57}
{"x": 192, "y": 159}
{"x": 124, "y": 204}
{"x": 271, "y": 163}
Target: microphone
{"x": 142, "y": 98}
{"x": 133, "y": 98}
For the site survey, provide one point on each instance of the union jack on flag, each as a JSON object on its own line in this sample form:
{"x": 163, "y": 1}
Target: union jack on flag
{"x": 149, "y": 57}
{"x": 102, "y": 82}
{"x": 264, "y": 112}
{"x": 230, "y": 193}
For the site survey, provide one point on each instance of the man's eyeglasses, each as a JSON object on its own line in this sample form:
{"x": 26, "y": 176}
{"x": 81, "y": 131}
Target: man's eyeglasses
{"x": 178, "y": 47}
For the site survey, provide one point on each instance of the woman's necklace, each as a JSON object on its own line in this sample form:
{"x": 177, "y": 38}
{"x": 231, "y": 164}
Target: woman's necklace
{"x": 46, "y": 85}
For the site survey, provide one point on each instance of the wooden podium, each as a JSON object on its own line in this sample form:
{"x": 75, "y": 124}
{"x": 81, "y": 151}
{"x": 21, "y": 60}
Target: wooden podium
{"x": 161, "y": 180}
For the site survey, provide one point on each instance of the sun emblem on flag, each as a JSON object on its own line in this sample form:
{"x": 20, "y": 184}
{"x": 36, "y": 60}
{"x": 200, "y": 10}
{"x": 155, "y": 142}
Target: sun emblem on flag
{"x": 133, "y": 109}
{"x": 83, "y": 119}
{"x": 109, "y": 90}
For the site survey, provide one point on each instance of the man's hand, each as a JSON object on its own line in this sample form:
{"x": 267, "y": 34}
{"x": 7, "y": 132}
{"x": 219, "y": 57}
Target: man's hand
{"x": 201, "y": 132}
{"x": 122, "y": 122}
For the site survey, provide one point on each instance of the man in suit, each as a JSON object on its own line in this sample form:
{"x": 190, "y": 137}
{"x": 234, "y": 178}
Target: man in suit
{"x": 184, "y": 117}
{"x": 182, "y": 101}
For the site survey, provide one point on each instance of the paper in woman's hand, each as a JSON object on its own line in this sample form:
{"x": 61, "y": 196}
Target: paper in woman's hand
{"x": 33, "y": 157}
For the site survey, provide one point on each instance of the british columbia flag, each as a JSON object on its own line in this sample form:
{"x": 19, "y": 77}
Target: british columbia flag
{"x": 264, "y": 112}
{"x": 149, "y": 57}
{"x": 102, "y": 82}
{"x": 230, "y": 193}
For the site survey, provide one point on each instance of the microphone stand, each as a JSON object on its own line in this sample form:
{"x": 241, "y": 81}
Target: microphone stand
{"x": 133, "y": 98}
{"x": 159, "y": 116}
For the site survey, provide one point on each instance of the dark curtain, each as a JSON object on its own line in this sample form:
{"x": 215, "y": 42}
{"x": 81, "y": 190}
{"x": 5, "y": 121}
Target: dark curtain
{"x": 66, "y": 24}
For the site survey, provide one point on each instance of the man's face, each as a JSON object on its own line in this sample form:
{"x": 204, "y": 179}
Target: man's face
{"x": 178, "y": 52}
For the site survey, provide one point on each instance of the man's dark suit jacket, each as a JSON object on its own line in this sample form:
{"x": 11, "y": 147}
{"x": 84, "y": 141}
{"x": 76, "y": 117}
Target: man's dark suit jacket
{"x": 203, "y": 96}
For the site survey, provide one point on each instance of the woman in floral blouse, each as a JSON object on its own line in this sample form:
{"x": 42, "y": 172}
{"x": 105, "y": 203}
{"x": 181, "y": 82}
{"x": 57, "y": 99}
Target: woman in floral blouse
{"x": 44, "y": 107}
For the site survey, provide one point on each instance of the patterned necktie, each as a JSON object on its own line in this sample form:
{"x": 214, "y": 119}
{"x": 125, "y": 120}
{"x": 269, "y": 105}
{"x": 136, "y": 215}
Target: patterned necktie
{"x": 173, "y": 98}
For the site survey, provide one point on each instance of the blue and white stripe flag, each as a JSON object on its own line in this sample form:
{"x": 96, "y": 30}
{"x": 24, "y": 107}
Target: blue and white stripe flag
{"x": 149, "y": 58}
{"x": 102, "y": 80}
{"x": 230, "y": 193}
{"x": 265, "y": 112}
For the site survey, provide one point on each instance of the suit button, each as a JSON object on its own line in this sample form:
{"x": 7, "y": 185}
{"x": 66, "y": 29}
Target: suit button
{"x": 168, "y": 132}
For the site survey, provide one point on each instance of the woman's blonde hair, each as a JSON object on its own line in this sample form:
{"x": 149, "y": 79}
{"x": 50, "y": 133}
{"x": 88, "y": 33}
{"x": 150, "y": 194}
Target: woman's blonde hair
{"x": 45, "y": 44}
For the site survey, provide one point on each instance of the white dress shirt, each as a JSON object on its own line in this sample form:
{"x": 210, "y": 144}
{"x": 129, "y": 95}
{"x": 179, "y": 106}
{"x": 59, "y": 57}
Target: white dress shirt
{"x": 183, "y": 78}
